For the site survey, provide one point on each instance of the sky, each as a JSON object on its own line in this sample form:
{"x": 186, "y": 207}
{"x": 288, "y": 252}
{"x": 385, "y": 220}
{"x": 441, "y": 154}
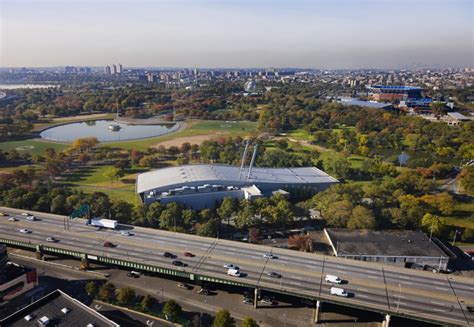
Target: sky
{"x": 238, "y": 33}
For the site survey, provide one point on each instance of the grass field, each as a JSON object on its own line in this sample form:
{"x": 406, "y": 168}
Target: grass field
{"x": 193, "y": 128}
{"x": 463, "y": 215}
{"x": 91, "y": 179}
{"x": 37, "y": 146}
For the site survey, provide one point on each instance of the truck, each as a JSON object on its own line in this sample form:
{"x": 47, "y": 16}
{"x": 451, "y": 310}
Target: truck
{"x": 100, "y": 222}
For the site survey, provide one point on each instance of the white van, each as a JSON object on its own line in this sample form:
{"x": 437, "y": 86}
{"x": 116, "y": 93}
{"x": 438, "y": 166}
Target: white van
{"x": 333, "y": 279}
{"x": 339, "y": 292}
{"x": 233, "y": 272}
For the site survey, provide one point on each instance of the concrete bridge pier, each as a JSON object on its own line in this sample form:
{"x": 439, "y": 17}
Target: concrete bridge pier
{"x": 386, "y": 322}
{"x": 84, "y": 263}
{"x": 39, "y": 252}
{"x": 316, "y": 311}
{"x": 255, "y": 298}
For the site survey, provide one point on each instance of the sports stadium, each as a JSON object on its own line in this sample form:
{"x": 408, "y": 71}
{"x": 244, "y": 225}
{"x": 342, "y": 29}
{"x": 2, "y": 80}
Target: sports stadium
{"x": 204, "y": 186}
{"x": 393, "y": 92}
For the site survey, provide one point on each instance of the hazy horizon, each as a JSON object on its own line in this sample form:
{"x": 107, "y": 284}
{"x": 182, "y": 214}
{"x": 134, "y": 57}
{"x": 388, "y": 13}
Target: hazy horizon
{"x": 338, "y": 34}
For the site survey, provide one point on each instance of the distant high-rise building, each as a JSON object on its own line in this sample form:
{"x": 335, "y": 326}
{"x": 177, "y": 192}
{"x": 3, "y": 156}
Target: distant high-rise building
{"x": 120, "y": 69}
{"x": 151, "y": 77}
{"x": 114, "y": 69}
{"x": 107, "y": 70}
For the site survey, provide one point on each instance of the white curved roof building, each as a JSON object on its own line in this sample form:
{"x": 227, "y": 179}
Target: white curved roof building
{"x": 204, "y": 186}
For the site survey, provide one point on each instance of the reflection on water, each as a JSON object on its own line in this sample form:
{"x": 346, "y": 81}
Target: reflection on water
{"x": 100, "y": 130}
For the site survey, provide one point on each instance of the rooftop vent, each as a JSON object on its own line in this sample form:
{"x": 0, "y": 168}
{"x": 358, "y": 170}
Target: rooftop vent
{"x": 65, "y": 310}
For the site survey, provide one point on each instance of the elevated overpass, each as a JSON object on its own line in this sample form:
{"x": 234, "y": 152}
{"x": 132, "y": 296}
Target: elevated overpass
{"x": 389, "y": 290}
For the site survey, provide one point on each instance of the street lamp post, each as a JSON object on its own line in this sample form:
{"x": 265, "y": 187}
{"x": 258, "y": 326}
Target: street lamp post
{"x": 399, "y": 295}
{"x": 454, "y": 238}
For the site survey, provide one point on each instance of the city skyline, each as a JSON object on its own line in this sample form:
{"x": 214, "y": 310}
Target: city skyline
{"x": 237, "y": 34}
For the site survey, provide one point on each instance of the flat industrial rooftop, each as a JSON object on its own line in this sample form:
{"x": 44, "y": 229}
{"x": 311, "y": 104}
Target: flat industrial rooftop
{"x": 167, "y": 177}
{"x": 383, "y": 243}
{"x": 50, "y": 306}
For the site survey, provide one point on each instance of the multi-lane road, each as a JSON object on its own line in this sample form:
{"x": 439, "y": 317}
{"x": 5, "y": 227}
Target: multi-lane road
{"x": 372, "y": 286}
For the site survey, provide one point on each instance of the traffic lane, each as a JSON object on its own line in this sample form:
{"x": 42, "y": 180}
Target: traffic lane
{"x": 161, "y": 262}
{"x": 212, "y": 271}
{"x": 192, "y": 244}
{"x": 93, "y": 247}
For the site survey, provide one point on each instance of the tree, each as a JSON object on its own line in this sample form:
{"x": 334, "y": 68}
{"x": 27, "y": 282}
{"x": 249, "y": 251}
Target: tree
{"x": 121, "y": 211}
{"x": 442, "y": 202}
{"x": 466, "y": 179}
{"x": 339, "y": 213}
{"x": 302, "y": 243}
{"x": 227, "y": 208}
{"x": 113, "y": 173}
{"x": 223, "y": 319}
{"x": 100, "y": 204}
{"x": 249, "y": 322}
{"x": 153, "y": 213}
{"x": 125, "y": 295}
{"x": 107, "y": 292}
{"x": 189, "y": 216}
{"x": 172, "y": 309}
{"x": 91, "y": 288}
{"x": 432, "y": 224}
{"x": 147, "y": 303}
{"x": 171, "y": 216}
{"x": 339, "y": 167}
{"x": 361, "y": 218}
{"x": 85, "y": 143}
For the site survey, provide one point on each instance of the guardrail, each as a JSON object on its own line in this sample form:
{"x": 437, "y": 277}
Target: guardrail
{"x": 47, "y": 249}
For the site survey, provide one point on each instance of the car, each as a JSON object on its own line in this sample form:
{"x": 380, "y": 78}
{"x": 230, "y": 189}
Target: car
{"x": 125, "y": 233}
{"x": 333, "y": 279}
{"x": 25, "y": 231}
{"x": 339, "y": 292}
{"x": 247, "y": 301}
{"x": 270, "y": 256}
{"x": 4, "y": 214}
{"x": 268, "y": 300}
{"x": 169, "y": 255}
{"x": 233, "y": 272}
{"x": 25, "y": 214}
{"x": 178, "y": 263}
{"x": 31, "y": 218}
{"x": 184, "y": 286}
{"x": 12, "y": 219}
{"x": 133, "y": 274}
{"x": 108, "y": 244}
{"x": 273, "y": 274}
{"x": 51, "y": 239}
{"x": 470, "y": 309}
{"x": 203, "y": 291}
{"x": 189, "y": 254}
{"x": 231, "y": 266}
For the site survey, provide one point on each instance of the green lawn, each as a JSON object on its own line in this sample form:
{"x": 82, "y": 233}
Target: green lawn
{"x": 37, "y": 146}
{"x": 463, "y": 215}
{"x": 195, "y": 127}
{"x": 91, "y": 179}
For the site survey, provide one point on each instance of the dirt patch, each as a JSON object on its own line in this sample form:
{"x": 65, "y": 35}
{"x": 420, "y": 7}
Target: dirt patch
{"x": 196, "y": 139}
{"x": 92, "y": 116}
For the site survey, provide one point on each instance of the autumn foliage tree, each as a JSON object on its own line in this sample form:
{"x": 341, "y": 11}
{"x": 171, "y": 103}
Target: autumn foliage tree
{"x": 302, "y": 243}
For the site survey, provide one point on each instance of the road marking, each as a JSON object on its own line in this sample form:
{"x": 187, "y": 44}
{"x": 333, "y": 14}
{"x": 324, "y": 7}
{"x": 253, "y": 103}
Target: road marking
{"x": 362, "y": 289}
{"x": 296, "y": 277}
{"x": 439, "y": 310}
{"x": 295, "y": 283}
{"x": 362, "y": 295}
{"x": 402, "y": 303}
{"x": 409, "y": 283}
{"x": 341, "y": 267}
{"x": 374, "y": 277}
{"x": 442, "y": 288}
{"x": 437, "y": 303}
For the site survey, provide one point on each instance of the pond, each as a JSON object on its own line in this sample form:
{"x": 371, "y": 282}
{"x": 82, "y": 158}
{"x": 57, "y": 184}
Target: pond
{"x": 105, "y": 131}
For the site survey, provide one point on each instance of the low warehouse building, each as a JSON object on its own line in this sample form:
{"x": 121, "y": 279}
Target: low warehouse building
{"x": 411, "y": 249}
{"x": 205, "y": 186}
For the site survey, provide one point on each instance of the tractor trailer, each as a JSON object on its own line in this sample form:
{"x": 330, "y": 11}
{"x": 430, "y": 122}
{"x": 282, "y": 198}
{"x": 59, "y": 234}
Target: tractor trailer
{"x": 105, "y": 223}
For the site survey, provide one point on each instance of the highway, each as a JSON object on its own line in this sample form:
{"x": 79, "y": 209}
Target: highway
{"x": 372, "y": 286}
